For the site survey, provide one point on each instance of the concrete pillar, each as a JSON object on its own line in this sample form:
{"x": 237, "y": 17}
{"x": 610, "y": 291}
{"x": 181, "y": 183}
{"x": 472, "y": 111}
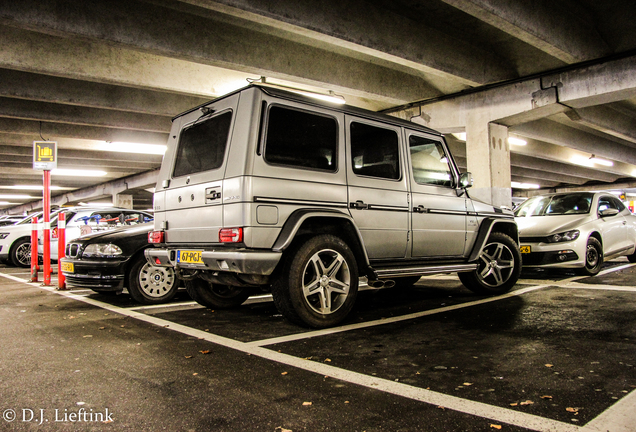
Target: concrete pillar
{"x": 123, "y": 201}
{"x": 488, "y": 159}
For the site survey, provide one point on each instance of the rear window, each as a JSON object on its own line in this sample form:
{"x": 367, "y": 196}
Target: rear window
{"x": 301, "y": 139}
{"x": 202, "y": 145}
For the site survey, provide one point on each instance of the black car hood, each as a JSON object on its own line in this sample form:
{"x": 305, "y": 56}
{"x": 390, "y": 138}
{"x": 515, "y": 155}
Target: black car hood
{"x": 114, "y": 235}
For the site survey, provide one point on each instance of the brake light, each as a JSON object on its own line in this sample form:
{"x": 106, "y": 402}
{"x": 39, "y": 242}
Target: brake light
{"x": 155, "y": 237}
{"x": 231, "y": 235}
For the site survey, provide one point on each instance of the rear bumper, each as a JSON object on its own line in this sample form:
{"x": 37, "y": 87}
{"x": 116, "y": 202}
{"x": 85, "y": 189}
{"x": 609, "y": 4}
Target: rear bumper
{"x": 253, "y": 262}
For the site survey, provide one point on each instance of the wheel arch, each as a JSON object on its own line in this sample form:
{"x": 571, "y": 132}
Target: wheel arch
{"x": 308, "y": 222}
{"x": 129, "y": 262}
{"x": 490, "y": 225}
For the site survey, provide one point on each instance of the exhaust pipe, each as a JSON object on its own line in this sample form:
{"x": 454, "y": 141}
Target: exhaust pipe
{"x": 377, "y": 283}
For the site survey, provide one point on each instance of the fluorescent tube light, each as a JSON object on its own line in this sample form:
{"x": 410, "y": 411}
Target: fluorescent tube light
{"x": 9, "y": 196}
{"x": 517, "y": 141}
{"x": 78, "y": 173}
{"x": 518, "y": 185}
{"x": 600, "y": 161}
{"x": 126, "y": 147}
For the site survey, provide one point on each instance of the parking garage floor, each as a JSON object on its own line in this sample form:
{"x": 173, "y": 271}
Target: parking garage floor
{"x": 558, "y": 353}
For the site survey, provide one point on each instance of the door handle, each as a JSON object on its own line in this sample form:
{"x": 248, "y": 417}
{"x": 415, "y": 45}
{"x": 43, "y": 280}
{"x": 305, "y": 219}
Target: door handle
{"x": 360, "y": 205}
{"x": 420, "y": 209}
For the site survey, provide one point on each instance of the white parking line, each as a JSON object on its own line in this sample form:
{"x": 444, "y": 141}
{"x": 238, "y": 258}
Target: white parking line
{"x": 619, "y": 418}
{"x": 382, "y": 321}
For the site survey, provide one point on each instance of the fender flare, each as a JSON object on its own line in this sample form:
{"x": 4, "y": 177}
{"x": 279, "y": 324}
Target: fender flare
{"x": 297, "y": 218}
{"x": 486, "y": 228}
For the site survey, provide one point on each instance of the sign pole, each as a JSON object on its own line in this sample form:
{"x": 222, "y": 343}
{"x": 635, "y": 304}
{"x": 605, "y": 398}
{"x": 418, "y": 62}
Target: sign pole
{"x": 45, "y": 158}
{"x": 47, "y": 227}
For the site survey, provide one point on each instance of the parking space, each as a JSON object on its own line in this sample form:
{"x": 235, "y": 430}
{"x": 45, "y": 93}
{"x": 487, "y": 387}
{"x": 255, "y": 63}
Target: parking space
{"x": 557, "y": 353}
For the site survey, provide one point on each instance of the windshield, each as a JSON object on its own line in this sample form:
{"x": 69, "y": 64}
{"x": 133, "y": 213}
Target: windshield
{"x": 556, "y": 205}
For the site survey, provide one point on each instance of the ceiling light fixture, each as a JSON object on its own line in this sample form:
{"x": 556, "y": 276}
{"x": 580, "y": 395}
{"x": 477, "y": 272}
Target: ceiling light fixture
{"x": 9, "y": 196}
{"x": 518, "y": 185}
{"x": 126, "y": 147}
{"x": 600, "y": 161}
{"x": 516, "y": 141}
{"x": 582, "y": 160}
{"x": 460, "y": 136}
{"x": 34, "y": 187}
{"x": 78, "y": 173}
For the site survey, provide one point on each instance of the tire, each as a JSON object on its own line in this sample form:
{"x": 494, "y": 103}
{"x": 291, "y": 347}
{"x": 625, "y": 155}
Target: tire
{"x": 148, "y": 284}
{"x": 406, "y": 282}
{"x": 216, "y": 296}
{"x": 20, "y": 254}
{"x": 593, "y": 258}
{"x": 318, "y": 283}
{"x": 499, "y": 267}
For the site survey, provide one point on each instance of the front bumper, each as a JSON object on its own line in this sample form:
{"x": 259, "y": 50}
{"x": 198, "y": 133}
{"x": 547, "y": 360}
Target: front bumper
{"x": 560, "y": 255}
{"x": 242, "y": 261}
{"x": 103, "y": 275}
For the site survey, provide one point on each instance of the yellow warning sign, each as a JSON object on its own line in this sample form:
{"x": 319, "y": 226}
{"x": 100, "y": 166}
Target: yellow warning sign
{"x": 44, "y": 155}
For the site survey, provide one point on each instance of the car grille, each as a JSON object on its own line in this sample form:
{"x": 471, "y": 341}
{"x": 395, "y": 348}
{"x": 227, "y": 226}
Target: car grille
{"x": 533, "y": 239}
{"x": 73, "y": 250}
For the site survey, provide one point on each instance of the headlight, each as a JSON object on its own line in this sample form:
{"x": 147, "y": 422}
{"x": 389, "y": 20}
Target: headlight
{"x": 101, "y": 249}
{"x": 4, "y": 236}
{"x": 564, "y": 236}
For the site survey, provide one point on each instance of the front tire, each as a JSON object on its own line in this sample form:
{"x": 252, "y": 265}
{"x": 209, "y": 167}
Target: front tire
{"x": 216, "y": 296}
{"x": 593, "y": 258}
{"x": 499, "y": 267}
{"x": 21, "y": 253}
{"x": 148, "y": 284}
{"x": 318, "y": 284}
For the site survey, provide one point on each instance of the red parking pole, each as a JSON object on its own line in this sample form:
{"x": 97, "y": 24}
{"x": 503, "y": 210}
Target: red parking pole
{"x": 47, "y": 228}
{"x": 34, "y": 250}
{"x": 61, "y": 246}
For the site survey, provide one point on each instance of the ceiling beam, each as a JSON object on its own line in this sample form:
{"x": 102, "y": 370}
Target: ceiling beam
{"x": 543, "y": 24}
{"x": 43, "y": 88}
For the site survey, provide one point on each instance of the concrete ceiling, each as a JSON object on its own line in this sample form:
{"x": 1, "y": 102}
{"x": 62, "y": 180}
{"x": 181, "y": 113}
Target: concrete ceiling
{"x": 93, "y": 72}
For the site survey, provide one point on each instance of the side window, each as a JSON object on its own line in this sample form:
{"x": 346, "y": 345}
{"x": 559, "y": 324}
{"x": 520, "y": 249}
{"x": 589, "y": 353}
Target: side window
{"x": 605, "y": 203}
{"x": 618, "y": 204}
{"x": 301, "y": 139}
{"x": 429, "y": 162}
{"x": 202, "y": 145}
{"x": 374, "y": 151}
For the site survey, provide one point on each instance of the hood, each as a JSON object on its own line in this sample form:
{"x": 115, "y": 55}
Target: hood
{"x": 539, "y": 226}
{"x": 118, "y": 233}
{"x": 482, "y": 207}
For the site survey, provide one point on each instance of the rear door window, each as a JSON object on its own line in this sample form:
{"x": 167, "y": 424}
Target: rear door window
{"x": 301, "y": 139}
{"x": 202, "y": 145}
{"x": 375, "y": 151}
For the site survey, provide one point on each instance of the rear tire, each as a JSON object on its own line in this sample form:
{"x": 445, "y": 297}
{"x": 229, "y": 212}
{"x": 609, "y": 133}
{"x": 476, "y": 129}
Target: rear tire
{"x": 216, "y": 296}
{"x": 593, "y": 258}
{"x": 148, "y": 284}
{"x": 499, "y": 267}
{"x": 318, "y": 283}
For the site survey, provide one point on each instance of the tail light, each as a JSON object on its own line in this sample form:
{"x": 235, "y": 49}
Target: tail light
{"x": 231, "y": 235}
{"x": 155, "y": 237}
{"x": 54, "y": 233}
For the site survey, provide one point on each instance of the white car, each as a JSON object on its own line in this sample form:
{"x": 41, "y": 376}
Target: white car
{"x": 15, "y": 241}
{"x": 82, "y": 220}
{"x": 575, "y": 230}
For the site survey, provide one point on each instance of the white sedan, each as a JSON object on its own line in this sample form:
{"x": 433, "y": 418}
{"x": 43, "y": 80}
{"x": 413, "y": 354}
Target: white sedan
{"x": 575, "y": 230}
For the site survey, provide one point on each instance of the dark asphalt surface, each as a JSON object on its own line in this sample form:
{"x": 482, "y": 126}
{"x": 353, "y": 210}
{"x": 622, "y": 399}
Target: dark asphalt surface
{"x": 558, "y": 353}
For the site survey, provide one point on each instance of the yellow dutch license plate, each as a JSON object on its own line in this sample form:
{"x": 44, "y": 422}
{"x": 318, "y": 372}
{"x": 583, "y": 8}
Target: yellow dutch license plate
{"x": 525, "y": 249}
{"x": 68, "y": 267}
{"x": 189, "y": 257}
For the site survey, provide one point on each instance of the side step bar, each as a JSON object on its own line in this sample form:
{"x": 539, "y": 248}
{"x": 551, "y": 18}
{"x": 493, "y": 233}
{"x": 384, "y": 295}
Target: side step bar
{"x": 383, "y": 273}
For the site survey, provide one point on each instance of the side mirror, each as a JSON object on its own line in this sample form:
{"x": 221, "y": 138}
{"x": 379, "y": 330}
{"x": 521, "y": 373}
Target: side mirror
{"x": 609, "y": 212}
{"x": 465, "y": 180}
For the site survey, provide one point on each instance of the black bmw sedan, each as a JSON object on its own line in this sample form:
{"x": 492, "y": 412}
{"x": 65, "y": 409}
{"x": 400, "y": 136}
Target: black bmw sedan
{"x": 106, "y": 262}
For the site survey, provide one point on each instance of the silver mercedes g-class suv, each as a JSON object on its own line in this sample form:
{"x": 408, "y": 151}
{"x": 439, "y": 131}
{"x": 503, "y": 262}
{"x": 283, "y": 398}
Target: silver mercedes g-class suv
{"x": 267, "y": 190}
